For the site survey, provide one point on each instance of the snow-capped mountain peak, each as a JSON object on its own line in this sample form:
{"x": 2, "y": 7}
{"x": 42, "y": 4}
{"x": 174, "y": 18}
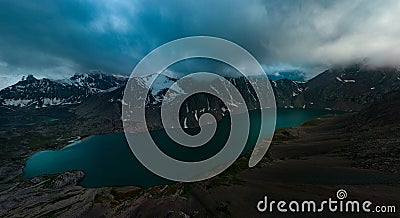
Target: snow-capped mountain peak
{"x": 33, "y": 92}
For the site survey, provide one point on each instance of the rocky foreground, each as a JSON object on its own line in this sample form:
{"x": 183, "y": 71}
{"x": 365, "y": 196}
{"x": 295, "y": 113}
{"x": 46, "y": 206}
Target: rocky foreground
{"x": 357, "y": 152}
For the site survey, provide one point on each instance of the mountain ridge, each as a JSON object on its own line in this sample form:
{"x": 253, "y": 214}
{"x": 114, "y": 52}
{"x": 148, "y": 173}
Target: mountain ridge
{"x": 348, "y": 88}
{"x": 36, "y": 93}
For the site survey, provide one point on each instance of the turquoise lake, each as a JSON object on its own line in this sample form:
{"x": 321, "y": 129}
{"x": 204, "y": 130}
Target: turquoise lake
{"x": 108, "y": 161}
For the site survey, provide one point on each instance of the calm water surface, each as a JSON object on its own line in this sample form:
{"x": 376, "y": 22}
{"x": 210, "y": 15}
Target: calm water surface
{"x": 108, "y": 161}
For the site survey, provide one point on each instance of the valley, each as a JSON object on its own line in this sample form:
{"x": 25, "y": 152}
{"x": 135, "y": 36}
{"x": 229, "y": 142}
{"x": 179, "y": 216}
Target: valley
{"x": 359, "y": 147}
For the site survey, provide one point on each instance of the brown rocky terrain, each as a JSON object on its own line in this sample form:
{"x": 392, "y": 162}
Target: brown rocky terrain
{"x": 357, "y": 152}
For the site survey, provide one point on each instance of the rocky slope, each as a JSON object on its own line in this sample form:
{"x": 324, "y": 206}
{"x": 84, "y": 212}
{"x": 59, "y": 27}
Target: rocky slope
{"x": 37, "y": 93}
{"x": 347, "y": 151}
{"x": 98, "y": 97}
{"x": 350, "y": 87}
{"x": 376, "y": 135}
{"x": 352, "y": 151}
{"x": 109, "y": 104}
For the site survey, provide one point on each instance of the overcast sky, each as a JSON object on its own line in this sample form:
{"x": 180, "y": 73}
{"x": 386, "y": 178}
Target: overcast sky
{"x": 56, "y": 38}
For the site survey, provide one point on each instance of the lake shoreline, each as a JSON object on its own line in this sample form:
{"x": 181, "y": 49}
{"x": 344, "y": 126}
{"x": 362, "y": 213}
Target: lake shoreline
{"x": 196, "y": 198}
{"x": 286, "y": 118}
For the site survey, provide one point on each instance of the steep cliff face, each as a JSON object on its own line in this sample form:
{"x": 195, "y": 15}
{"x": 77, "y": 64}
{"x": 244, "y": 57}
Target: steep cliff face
{"x": 286, "y": 93}
{"x": 109, "y": 104}
{"x": 349, "y": 88}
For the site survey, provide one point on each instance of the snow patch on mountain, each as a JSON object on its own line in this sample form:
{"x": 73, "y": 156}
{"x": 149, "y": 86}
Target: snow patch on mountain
{"x": 30, "y": 91}
{"x": 17, "y": 102}
{"x": 345, "y": 80}
{"x": 158, "y": 82}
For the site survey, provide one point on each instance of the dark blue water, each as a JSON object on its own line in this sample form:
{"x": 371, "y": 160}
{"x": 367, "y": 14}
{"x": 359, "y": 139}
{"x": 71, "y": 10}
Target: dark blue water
{"x": 108, "y": 161}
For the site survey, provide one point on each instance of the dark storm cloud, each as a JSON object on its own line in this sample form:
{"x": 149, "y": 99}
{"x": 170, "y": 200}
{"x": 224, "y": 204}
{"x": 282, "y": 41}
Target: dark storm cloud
{"x": 61, "y": 37}
{"x": 51, "y": 34}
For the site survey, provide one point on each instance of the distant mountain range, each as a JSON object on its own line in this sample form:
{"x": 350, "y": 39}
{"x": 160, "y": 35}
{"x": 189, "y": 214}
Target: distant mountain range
{"x": 38, "y": 93}
{"x": 93, "y": 95}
